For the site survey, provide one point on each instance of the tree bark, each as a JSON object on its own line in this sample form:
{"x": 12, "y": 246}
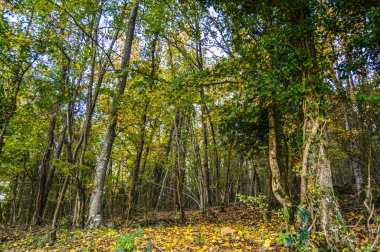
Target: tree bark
{"x": 168, "y": 149}
{"x": 95, "y": 215}
{"x": 216, "y": 159}
{"x": 277, "y": 187}
{"x": 57, "y": 210}
{"x": 132, "y": 199}
{"x": 227, "y": 181}
{"x": 205, "y": 172}
{"x": 41, "y": 200}
{"x": 179, "y": 170}
{"x": 92, "y": 97}
{"x": 50, "y": 176}
{"x": 316, "y": 172}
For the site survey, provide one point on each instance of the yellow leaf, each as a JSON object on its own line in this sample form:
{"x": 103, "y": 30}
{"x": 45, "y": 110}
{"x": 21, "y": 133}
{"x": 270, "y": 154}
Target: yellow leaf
{"x": 175, "y": 240}
{"x": 267, "y": 243}
{"x": 226, "y": 244}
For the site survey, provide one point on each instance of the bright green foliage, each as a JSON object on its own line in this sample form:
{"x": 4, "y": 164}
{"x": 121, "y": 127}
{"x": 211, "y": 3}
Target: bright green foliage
{"x": 127, "y": 242}
{"x": 259, "y": 203}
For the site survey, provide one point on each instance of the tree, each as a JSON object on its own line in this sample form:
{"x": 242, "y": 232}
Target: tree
{"x": 95, "y": 217}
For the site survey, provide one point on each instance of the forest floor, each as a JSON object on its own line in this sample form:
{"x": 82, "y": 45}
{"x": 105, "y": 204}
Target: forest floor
{"x": 236, "y": 229}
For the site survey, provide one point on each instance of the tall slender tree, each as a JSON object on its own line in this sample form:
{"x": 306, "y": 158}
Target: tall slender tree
{"x": 95, "y": 216}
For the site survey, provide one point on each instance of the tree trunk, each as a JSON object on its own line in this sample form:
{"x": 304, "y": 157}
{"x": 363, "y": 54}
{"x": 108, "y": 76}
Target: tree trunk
{"x": 41, "y": 200}
{"x": 95, "y": 215}
{"x": 216, "y": 158}
{"x": 156, "y": 202}
{"x": 358, "y": 174}
{"x": 179, "y": 170}
{"x": 17, "y": 199}
{"x": 14, "y": 199}
{"x": 199, "y": 174}
{"x": 350, "y": 116}
{"x": 132, "y": 199}
{"x": 133, "y": 193}
{"x": 92, "y": 96}
{"x": 205, "y": 172}
{"x": 369, "y": 205}
{"x": 50, "y": 176}
{"x": 256, "y": 182}
{"x": 277, "y": 187}
{"x": 227, "y": 181}
{"x": 57, "y": 210}
{"x": 316, "y": 173}
{"x": 349, "y": 111}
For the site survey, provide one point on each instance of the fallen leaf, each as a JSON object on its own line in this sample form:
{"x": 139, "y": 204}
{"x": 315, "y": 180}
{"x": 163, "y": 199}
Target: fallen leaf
{"x": 227, "y": 230}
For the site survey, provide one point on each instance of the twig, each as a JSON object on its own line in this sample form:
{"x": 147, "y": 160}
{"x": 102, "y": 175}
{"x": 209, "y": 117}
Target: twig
{"x": 377, "y": 236}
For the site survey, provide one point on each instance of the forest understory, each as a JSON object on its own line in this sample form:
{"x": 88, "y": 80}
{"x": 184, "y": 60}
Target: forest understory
{"x": 238, "y": 228}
